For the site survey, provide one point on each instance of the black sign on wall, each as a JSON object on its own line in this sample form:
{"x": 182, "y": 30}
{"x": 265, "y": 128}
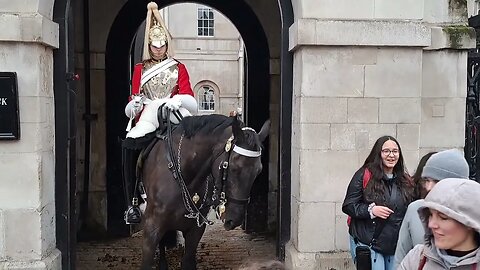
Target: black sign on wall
{"x": 9, "y": 117}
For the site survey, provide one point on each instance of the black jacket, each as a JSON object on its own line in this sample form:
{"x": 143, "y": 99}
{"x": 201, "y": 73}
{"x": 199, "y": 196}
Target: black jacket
{"x": 362, "y": 227}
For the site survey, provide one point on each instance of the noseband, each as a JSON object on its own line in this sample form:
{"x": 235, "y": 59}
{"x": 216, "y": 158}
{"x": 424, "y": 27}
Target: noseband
{"x": 224, "y": 168}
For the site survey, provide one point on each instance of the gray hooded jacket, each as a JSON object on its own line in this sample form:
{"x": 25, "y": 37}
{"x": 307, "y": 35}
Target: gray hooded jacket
{"x": 459, "y": 199}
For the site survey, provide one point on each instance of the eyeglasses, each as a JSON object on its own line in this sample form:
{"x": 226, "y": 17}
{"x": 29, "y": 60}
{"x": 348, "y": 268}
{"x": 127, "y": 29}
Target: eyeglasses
{"x": 388, "y": 152}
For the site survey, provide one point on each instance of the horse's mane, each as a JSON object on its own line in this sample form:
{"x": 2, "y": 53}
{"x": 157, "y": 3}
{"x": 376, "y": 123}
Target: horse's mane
{"x": 214, "y": 124}
{"x": 205, "y": 124}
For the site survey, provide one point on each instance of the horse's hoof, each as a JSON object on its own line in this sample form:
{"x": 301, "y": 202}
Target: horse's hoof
{"x": 228, "y": 225}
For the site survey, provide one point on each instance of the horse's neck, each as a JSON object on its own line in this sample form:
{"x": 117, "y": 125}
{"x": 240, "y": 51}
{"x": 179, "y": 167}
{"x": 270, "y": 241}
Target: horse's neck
{"x": 197, "y": 161}
{"x": 208, "y": 156}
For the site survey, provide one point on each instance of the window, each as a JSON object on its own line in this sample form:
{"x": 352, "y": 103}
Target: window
{"x": 206, "y": 97}
{"x": 205, "y": 22}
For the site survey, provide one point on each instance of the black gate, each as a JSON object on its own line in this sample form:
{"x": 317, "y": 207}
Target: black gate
{"x": 472, "y": 124}
{"x": 65, "y": 134}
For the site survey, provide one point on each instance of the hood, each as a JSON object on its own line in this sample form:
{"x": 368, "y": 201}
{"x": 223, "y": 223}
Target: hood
{"x": 455, "y": 197}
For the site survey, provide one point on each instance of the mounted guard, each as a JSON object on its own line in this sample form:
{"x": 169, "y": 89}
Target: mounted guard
{"x": 159, "y": 81}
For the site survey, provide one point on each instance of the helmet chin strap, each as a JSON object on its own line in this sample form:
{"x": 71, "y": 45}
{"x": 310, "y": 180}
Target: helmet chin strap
{"x": 159, "y": 59}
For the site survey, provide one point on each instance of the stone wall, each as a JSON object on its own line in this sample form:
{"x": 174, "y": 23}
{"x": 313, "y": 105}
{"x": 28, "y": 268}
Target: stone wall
{"x": 375, "y": 68}
{"x": 361, "y": 70}
{"x": 27, "y": 204}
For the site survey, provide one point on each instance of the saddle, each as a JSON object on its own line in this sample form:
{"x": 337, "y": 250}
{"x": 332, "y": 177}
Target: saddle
{"x": 147, "y": 142}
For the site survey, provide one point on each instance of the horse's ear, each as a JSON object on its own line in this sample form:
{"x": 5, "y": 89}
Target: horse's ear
{"x": 237, "y": 129}
{"x": 262, "y": 135}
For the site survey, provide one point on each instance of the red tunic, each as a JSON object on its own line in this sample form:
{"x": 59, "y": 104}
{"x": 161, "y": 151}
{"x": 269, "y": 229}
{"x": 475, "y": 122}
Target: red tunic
{"x": 183, "y": 83}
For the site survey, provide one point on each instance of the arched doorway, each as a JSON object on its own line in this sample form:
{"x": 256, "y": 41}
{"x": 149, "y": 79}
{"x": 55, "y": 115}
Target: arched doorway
{"x": 257, "y": 104}
{"x": 118, "y": 49}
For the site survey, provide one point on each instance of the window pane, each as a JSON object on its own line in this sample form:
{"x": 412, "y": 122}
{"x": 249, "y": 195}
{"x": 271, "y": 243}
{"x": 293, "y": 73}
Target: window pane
{"x": 200, "y": 23}
{"x": 206, "y": 98}
{"x": 199, "y": 31}
{"x": 210, "y": 32}
{"x": 210, "y": 23}
{"x": 210, "y": 14}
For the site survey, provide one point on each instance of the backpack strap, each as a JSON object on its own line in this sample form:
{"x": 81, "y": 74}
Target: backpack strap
{"x": 423, "y": 261}
{"x": 367, "y": 175}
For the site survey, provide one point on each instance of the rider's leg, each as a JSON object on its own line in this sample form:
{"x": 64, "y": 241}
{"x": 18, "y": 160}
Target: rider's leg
{"x": 148, "y": 121}
{"x": 133, "y": 213}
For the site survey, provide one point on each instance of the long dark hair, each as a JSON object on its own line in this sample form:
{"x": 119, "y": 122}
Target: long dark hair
{"x": 376, "y": 189}
{"x": 419, "y": 191}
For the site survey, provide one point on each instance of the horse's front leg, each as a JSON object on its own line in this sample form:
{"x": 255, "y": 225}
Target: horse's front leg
{"x": 192, "y": 237}
{"x": 162, "y": 263}
{"x": 153, "y": 231}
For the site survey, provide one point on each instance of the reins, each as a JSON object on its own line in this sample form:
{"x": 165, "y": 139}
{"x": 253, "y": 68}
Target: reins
{"x": 188, "y": 201}
{"x": 219, "y": 197}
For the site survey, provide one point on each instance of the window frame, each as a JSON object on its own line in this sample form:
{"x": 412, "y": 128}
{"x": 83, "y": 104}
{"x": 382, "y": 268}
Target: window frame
{"x": 201, "y": 94}
{"x": 205, "y": 26}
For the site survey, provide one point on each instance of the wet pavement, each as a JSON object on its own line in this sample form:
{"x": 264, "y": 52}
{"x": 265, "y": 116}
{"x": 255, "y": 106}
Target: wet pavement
{"x": 218, "y": 249}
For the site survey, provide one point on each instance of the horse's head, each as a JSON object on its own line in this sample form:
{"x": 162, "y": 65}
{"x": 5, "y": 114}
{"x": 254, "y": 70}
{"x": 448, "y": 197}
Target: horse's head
{"x": 244, "y": 165}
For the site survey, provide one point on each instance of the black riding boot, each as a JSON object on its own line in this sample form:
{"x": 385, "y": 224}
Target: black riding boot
{"x": 132, "y": 215}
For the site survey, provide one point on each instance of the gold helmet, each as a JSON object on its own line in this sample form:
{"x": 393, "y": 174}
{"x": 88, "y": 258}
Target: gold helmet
{"x": 156, "y": 33}
{"x": 157, "y": 36}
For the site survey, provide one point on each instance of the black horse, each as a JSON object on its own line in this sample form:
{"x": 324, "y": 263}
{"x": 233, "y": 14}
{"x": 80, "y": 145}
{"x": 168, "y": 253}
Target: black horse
{"x": 209, "y": 160}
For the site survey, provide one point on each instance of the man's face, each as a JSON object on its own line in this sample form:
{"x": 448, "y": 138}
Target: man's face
{"x": 158, "y": 53}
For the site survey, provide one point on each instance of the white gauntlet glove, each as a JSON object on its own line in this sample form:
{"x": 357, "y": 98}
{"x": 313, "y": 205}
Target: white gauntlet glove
{"x": 135, "y": 106}
{"x": 138, "y": 103}
{"x": 173, "y": 103}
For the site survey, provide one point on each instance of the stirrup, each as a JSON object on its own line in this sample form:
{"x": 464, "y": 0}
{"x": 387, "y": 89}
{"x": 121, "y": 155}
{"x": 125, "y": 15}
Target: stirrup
{"x": 133, "y": 215}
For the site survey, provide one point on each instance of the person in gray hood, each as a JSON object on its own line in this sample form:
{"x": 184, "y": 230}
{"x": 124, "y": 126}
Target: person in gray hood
{"x": 451, "y": 219}
{"x": 444, "y": 164}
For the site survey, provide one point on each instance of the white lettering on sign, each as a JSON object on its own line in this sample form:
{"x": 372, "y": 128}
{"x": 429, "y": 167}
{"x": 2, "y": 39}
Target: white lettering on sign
{"x": 3, "y": 101}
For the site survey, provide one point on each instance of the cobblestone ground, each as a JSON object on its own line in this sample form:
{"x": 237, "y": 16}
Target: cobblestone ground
{"x": 218, "y": 249}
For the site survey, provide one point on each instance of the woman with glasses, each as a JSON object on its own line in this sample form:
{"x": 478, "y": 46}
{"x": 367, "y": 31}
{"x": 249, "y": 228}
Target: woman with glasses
{"x": 378, "y": 207}
{"x": 442, "y": 165}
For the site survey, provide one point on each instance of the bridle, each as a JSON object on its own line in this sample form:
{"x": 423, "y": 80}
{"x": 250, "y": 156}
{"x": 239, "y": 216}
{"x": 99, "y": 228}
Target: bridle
{"x": 230, "y": 147}
{"x": 218, "y": 200}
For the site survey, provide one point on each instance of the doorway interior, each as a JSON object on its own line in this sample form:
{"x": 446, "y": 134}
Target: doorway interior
{"x": 257, "y": 110}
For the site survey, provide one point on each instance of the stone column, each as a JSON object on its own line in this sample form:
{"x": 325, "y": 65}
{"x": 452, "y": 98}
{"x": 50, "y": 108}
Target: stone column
{"x": 362, "y": 70}
{"x": 27, "y": 206}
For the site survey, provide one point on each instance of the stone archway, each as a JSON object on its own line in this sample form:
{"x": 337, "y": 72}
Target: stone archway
{"x": 117, "y": 79}
{"x": 258, "y": 105}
